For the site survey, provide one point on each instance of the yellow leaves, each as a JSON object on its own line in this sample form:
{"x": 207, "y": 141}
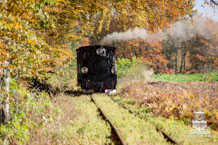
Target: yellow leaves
{"x": 31, "y": 41}
{"x": 3, "y": 53}
{"x": 207, "y": 112}
{"x": 9, "y": 26}
{"x": 92, "y": 16}
{"x": 20, "y": 26}
{"x": 71, "y": 20}
{"x": 17, "y": 26}
{"x": 215, "y": 114}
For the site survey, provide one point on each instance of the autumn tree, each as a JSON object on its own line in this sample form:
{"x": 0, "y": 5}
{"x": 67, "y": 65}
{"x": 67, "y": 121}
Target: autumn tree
{"x": 150, "y": 52}
{"x": 152, "y": 15}
{"x": 196, "y": 49}
{"x": 27, "y": 52}
{"x": 38, "y": 33}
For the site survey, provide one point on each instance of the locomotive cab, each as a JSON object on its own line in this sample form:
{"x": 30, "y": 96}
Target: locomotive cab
{"x": 96, "y": 68}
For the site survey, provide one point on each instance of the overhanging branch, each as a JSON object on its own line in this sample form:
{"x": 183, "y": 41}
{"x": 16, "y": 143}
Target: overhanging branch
{"x": 214, "y": 2}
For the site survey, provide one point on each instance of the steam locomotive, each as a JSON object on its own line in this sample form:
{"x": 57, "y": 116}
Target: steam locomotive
{"x": 96, "y": 70}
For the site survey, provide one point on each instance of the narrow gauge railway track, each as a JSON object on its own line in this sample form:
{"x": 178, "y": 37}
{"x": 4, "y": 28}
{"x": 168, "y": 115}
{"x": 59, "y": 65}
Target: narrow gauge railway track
{"x": 120, "y": 140}
{"x": 166, "y": 135}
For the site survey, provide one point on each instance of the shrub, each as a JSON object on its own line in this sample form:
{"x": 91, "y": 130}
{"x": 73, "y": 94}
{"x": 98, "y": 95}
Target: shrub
{"x": 63, "y": 78}
{"x": 176, "y": 100}
{"x": 132, "y": 70}
{"x": 28, "y": 111}
{"x": 124, "y": 64}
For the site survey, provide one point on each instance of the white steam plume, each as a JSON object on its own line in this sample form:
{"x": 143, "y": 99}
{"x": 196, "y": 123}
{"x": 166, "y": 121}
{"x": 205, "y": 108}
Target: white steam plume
{"x": 180, "y": 31}
{"x": 122, "y": 36}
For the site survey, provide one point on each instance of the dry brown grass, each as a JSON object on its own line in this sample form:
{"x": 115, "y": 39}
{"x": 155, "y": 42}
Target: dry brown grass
{"x": 45, "y": 135}
{"x": 78, "y": 124}
{"x": 176, "y": 100}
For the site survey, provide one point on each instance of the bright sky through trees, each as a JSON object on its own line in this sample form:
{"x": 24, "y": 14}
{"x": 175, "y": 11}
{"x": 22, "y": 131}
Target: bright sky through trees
{"x": 203, "y": 7}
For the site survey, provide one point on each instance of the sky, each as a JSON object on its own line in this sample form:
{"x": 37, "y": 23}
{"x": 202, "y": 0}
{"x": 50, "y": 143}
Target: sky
{"x": 207, "y": 9}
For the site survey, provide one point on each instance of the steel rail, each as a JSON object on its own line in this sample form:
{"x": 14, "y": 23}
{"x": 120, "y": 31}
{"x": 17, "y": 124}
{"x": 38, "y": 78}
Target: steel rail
{"x": 166, "y": 136}
{"x": 113, "y": 127}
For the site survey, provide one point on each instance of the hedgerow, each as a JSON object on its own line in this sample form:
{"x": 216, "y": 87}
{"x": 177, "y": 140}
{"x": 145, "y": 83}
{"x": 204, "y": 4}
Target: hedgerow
{"x": 28, "y": 112}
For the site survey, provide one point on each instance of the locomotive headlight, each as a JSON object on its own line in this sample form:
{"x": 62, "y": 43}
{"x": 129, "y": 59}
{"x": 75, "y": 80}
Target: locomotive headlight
{"x": 84, "y": 70}
{"x": 114, "y": 70}
{"x": 101, "y": 51}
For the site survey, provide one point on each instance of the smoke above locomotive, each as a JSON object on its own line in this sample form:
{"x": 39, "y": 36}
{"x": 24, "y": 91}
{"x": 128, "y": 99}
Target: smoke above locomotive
{"x": 96, "y": 69}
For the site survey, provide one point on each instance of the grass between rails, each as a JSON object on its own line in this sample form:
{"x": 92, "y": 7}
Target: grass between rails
{"x": 198, "y": 77}
{"x": 79, "y": 124}
{"x": 176, "y": 128}
{"x": 134, "y": 130}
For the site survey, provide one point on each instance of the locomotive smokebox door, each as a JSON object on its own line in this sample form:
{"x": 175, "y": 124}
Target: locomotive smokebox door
{"x": 96, "y": 69}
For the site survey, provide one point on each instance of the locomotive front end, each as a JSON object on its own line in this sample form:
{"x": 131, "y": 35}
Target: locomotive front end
{"x": 96, "y": 70}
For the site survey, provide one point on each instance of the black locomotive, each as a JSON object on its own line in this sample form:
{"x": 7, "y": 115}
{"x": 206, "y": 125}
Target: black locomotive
{"x": 96, "y": 70}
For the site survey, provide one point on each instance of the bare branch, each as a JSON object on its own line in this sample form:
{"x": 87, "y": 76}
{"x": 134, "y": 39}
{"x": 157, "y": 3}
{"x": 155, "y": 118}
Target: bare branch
{"x": 214, "y": 2}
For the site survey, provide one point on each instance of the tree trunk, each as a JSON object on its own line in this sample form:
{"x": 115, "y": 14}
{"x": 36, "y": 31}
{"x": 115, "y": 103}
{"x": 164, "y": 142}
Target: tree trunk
{"x": 184, "y": 61}
{"x": 4, "y": 106}
{"x": 176, "y": 63}
{"x": 181, "y": 62}
{"x": 4, "y": 113}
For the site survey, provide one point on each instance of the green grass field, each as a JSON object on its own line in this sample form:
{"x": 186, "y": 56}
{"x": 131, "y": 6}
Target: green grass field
{"x": 198, "y": 77}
